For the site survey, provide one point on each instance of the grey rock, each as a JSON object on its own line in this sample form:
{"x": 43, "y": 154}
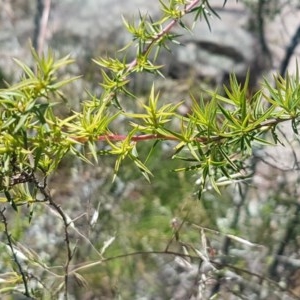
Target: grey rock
{"x": 212, "y": 53}
{"x": 86, "y": 28}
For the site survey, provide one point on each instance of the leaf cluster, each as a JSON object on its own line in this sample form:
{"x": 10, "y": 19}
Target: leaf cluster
{"x": 214, "y": 139}
{"x": 31, "y": 138}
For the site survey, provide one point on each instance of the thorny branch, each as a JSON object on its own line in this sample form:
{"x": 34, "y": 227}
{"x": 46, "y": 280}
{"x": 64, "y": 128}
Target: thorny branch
{"x": 199, "y": 139}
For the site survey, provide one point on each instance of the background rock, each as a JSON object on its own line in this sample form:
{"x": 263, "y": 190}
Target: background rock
{"x": 89, "y": 28}
{"x": 85, "y": 29}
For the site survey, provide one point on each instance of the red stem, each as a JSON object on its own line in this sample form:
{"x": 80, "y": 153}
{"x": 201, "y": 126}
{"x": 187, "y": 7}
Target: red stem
{"x": 136, "y": 138}
{"x": 156, "y": 136}
{"x": 146, "y": 137}
{"x": 164, "y": 31}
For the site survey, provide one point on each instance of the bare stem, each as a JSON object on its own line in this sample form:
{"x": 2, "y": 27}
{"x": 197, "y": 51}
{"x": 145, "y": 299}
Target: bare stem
{"x": 66, "y": 222}
{"x": 41, "y": 20}
{"x": 16, "y": 260}
{"x": 215, "y": 263}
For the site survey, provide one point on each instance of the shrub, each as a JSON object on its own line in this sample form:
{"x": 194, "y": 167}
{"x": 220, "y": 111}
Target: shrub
{"x": 214, "y": 141}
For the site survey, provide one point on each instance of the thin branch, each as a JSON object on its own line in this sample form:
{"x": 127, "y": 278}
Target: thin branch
{"x": 274, "y": 165}
{"x": 289, "y": 52}
{"x": 289, "y": 230}
{"x": 261, "y": 30}
{"x": 67, "y": 240}
{"x": 217, "y": 264}
{"x": 163, "y": 32}
{"x": 242, "y": 192}
{"x": 289, "y": 233}
{"x": 43, "y": 189}
{"x": 16, "y": 260}
{"x": 41, "y": 23}
{"x": 156, "y": 37}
